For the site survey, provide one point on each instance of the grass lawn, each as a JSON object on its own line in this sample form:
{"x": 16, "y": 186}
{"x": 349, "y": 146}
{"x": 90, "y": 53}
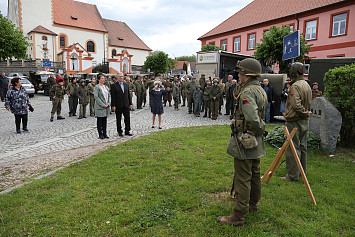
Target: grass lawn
{"x": 175, "y": 183}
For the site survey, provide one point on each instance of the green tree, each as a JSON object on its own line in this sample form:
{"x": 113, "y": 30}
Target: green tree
{"x": 12, "y": 42}
{"x": 340, "y": 91}
{"x": 157, "y": 62}
{"x": 270, "y": 51}
{"x": 210, "y": 47}
{"x": 191, "y": 58}
{"x": 171, "y": 63}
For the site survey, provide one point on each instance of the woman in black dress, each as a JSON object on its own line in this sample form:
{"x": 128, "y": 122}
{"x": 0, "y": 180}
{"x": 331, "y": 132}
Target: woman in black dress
{"x": 157, "y": 101}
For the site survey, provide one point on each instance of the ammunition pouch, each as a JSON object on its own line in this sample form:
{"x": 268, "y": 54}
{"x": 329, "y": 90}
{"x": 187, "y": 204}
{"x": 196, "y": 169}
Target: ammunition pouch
{"x": 248, "y": 140}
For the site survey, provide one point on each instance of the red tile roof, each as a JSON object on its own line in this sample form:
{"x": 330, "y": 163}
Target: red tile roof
{"x": 77, "y": 14}
{"x": 180, "y": 64}
{"x": 260, "y": 11}
{"x": 42, "y": 30}
{"x": 119, "y": 34}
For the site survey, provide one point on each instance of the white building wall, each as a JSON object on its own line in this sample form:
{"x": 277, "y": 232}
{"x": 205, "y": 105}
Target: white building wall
{"x": 139, "y": 56}
{"x": 35, "y": 13}
{"x": 38, "y": 44}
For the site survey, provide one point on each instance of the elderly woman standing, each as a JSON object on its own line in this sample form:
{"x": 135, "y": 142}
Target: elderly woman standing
{"x": 157, "y": 101}
{"x": 102, "y": 106}
{"x": 18, "y": 101}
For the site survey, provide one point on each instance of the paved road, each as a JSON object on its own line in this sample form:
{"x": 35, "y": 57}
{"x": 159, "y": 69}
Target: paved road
{"x": 47, "y": 137}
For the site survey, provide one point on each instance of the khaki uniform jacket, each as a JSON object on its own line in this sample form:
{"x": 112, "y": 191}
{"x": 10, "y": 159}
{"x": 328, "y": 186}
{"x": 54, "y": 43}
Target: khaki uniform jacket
{"x": 170, "y": 85}
{"x": 298, "y": 103}
{"x": 176, "y": 91}
{"x": 131, "y": 88}
{"x": 91, "y": 89}
{"x": 206, "y": 93}
{"x": 215, "y": 91}
{"x": 251, "y": 105}
{"x": 57, "y": 91}
{"x": 139, "y": 87}
{"x": 51, "y": 82}
{"x": 191, "y": 87}
{"x": 83, "y": 95}
{"x": 228, "y": 84}
{"x": 72, "y": 89}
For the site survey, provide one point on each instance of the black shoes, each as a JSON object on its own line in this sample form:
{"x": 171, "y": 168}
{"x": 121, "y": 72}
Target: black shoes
{"x": 120, "y": 134}
{"x": 101, "y": 137}
{"x": 51, "y": 120}
{"x": 60, "y": 118}
{"x": 105, "y": 136}
{"x": 128, "y": 134}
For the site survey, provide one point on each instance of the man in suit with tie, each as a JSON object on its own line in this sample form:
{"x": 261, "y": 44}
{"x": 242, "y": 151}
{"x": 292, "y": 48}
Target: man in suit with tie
{"x": 121, "y": 103}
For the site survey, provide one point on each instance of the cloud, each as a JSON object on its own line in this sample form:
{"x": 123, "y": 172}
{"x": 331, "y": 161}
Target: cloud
{"x": 170, "y": 26}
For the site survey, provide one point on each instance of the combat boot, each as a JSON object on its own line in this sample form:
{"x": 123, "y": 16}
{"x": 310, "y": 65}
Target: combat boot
{"x": 205, "y": 115}
{"x": 236, "y": 219}
{"x": 253, "y": 206}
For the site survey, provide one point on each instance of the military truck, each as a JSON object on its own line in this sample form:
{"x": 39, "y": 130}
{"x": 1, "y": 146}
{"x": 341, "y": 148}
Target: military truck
{"x": 39, "y": 80}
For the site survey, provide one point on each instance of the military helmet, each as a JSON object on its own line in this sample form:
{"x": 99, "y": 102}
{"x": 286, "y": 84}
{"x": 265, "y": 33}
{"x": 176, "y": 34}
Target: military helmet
{"x": 249, "y": 67}
{"x": 296, "y": 70}
{"x": 208, "y": 83}
{"x": 198, "y": 86}
{"x": 215, "y": 80}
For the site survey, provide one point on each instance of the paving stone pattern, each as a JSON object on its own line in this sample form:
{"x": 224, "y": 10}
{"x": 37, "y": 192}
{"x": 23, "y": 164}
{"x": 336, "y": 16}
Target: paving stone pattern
{"x": 46, "y": 138}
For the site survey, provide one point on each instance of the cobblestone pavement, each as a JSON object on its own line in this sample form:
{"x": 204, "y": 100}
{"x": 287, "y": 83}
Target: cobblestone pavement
{"x": 49, "y": 145}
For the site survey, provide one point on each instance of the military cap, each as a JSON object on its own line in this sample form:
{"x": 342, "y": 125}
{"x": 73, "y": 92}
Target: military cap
{"x": 315, "y": 83}
{"x": 208, "y": 83}
{"x": 203, "y": 75}
{"x": 215, "y": 80}
{"x": 198, "y": 86}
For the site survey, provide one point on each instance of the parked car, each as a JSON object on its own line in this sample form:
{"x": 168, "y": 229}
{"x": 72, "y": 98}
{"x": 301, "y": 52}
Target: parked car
{"x": 29, "y": 87}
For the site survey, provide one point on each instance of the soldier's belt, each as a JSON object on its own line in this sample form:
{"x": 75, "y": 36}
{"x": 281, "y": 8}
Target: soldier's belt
{"x": 238, "y": 125}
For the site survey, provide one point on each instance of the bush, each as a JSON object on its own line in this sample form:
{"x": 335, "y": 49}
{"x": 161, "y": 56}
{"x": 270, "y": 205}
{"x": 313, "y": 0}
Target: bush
{"x": 277, "y": 137}
{"x": 339, "y": 90}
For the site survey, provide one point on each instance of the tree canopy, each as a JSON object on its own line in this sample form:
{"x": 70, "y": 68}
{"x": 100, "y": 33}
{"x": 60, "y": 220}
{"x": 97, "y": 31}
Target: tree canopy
{"x": 157, "y": 62}
{"x": 210, "y": 47}
{"x": 12, "y": 42}
{"x": 270, "y": 51}
{"x": 191, "y": 58}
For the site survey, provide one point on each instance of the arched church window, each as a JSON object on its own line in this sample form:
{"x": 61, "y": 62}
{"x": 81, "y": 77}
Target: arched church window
{"x": 90, "y": 46}
{"x": 114, "y": 52}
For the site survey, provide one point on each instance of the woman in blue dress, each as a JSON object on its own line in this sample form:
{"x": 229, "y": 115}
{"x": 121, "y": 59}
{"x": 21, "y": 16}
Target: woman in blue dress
{"x": 156, "y": 95}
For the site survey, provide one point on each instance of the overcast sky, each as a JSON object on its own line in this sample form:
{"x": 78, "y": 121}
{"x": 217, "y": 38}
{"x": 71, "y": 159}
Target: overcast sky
{"x": 166, "y": 25}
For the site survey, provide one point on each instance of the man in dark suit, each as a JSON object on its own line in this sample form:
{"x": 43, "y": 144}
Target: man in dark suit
{"x": 121, "y": 103}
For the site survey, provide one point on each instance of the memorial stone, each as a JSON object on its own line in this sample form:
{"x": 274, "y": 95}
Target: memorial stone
{"x": 325, "y": 122}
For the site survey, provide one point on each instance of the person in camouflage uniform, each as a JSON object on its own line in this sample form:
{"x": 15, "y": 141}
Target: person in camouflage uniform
{"x": 139, "y": 90}
{"x": 198, "y": 98}
{"x": 176, "y": 95}
{"x": 215, "y": 93}
{"x": 57, "y": 94}
{"x": 83, "y": 95}
{"x": 184, "y": 83}
{"x": 91, "y": 87}
{"x": 191, "y": 87}
{"x": 249, "y": 124}
{"x": 206, "y": 100}
{"x": 51, "y": 82}
{"x": 168, "y": 87}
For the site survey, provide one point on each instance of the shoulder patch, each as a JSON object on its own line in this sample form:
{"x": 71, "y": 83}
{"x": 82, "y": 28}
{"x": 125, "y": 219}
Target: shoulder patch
{"x": 245, "y": 101}
{"x": 291, "y": 94}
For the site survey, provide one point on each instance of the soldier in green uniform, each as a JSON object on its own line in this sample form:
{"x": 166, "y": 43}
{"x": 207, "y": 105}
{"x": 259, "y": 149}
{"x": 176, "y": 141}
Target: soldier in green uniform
{"x": 176, "y": 95}
{"x": 91, "y": 87}
{"x": 215, "y": 93}
{"x": 206, "y": 100}
{"x": 184, "y": 83}
{"x": 246, "y": 144}
{"x": 202, "y": 83}
{"x": 220, "y": 84}
{"x": 57, "y": 94}
{"x": 198, "y": 98}
{"x": 297, "y": 113}
{"x": 51, "y": 82}
{"x": 72, "y": 92}
{"x": 139, "y": 90}
{"x": 131, "y": 88}
{"x": 83, "y": 95}
{"x": 169, "y": 88}
{"x": 190, "y": 88}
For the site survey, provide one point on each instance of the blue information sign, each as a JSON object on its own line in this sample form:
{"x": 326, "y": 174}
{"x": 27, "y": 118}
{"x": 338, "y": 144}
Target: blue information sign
{"x": 47, "y": 63}
{"x": 291, "y": 47}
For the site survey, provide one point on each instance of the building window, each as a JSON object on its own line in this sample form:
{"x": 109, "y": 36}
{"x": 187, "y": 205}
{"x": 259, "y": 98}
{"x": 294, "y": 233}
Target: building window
{"x": 62, "y": 41}
{"x": 251, "y": 41}
{"x": 211, "y": 43}
{"x": 114, "y": 52}
{"x": 90, "y": 46}
{"x": 237, "y": 44}
{"x": 224, "y": 45}
{"x": 339, "y": 24}
{"x": 311, "y": 30}
{"x": 44, "y": 38}
{"x": 291, "y": 28}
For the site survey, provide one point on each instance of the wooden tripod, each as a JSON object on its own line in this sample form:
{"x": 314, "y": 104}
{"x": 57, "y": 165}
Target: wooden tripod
{"x": 280, "y": 153}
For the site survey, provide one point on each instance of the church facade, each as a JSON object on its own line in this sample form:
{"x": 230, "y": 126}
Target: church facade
{"x": 74, "y": 33}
